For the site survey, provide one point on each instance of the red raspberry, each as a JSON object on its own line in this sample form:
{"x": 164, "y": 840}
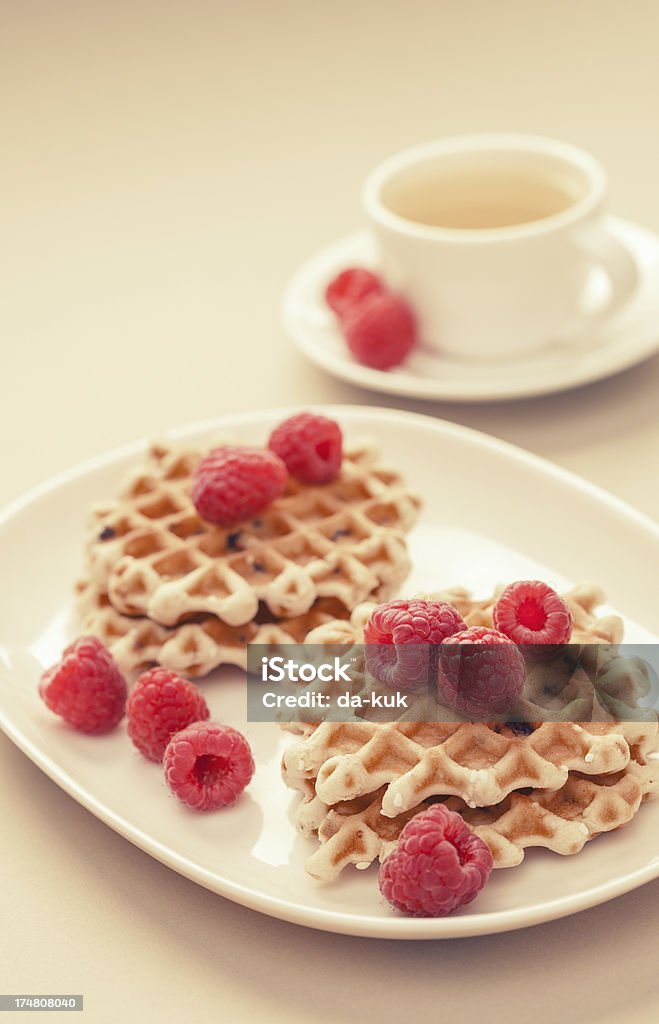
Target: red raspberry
{"x": 310, "y": 446}
{"x": 160, "y": 704}
{"x": 381, "y": 331}
{"x": 346, "y": 291}
{"x": 480, "y": 672}
{"x": 233, "y": 483}
{"x": 86, "y": 688}
{"x": 398, "y": 635}
{"x": 208, "y": 765}
{"x": 532, "y": 614}
{"x": 414, "y": 621}
{"x": 437, "y": 865}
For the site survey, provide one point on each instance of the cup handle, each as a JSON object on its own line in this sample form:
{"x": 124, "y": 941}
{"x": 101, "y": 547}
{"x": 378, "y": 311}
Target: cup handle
{"x": 605, "y": 250}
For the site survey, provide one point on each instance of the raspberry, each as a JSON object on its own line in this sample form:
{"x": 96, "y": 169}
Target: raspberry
{"x": 381, "y": 331}
{"x": 86, "y": 688}
{"x": 208, "y": 765}
{"x": 480, "y": 672}
{"x": 310, "y": 446}
{"x": 346, "y": 291}
{"x": 532, "y": 614}
{"x": 160, "y": 704}
{"x": 438, "y": 865}
{"x": 233, "y": 483}
{"x": 398, "y": 635}
{"x": 414, "y": 621}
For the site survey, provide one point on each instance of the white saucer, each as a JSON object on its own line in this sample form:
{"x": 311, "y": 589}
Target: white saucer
{"x": 628, "y": 339}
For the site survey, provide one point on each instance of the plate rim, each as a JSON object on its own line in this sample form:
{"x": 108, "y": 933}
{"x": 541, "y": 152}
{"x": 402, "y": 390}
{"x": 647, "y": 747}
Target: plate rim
{"x": 340, "y": 922}
{"x": 405, "y": 385}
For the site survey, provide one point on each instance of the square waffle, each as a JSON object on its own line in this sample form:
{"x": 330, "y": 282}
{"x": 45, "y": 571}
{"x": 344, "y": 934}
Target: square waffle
{"x": 480, "y": 763}
{"x": 193, "y": 648}
{"x": 563, "y": 821}
{"x": 153, "y": 556}
{"x": 551, "y": 783}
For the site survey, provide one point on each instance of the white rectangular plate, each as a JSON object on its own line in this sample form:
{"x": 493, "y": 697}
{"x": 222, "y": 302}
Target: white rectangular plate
{"x": 492, "y": 513}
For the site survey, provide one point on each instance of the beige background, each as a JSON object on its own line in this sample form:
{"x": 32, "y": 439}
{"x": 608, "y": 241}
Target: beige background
{"x": 165, "y": 167}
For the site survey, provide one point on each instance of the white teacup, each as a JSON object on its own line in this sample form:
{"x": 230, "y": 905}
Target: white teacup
{"x": 492, "y": 239}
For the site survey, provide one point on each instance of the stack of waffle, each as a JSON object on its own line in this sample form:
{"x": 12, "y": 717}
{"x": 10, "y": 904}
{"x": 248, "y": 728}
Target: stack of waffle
{"x": 162, "y": 586}
{"x": 555, "y": 784}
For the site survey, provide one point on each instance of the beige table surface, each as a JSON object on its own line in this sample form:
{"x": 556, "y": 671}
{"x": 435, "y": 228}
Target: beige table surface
{"x": 165, "y": 167}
